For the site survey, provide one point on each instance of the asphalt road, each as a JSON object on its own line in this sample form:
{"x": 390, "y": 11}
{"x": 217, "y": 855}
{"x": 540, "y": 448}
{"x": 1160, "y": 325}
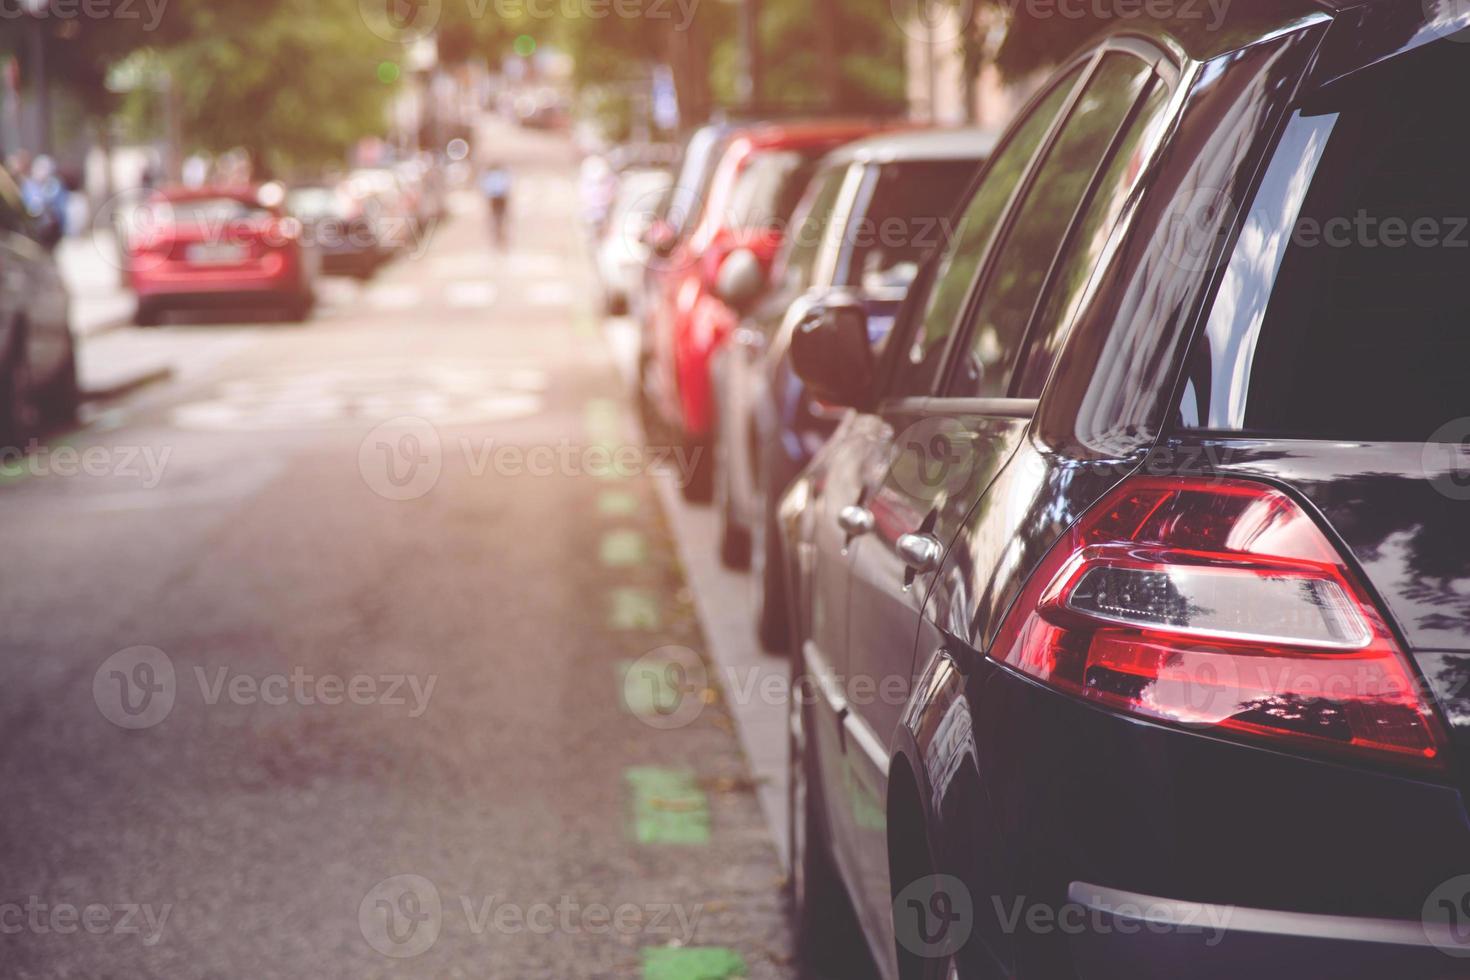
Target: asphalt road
{"x": 316, "y": 659}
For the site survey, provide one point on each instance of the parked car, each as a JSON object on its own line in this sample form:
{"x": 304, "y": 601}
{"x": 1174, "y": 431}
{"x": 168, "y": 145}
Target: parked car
{"x": 389, "y": 205}
{"x": 219, "y": 247}
{"x": 38, "y": 369}
{"x": 871, "y": 213}
{"x": 622, "y": 250}
{"x": 674, "y": 221}
{"x": 750, "y": 195}
{"x": 1129, "y": 596}
{"x": 336, "y": 222}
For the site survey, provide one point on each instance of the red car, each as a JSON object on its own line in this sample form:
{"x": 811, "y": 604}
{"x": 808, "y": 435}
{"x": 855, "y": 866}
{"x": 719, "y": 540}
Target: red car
{"x": 217, "y": 248}
{"x": 751, "y": 194}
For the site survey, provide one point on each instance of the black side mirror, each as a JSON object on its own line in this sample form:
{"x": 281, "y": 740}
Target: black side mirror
{"x": 831, "y": 353}
{"x": 741, "y": 279}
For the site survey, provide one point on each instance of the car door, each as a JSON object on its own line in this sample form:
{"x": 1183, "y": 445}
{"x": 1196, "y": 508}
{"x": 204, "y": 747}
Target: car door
{"x": 935, "y": 452}
{"x": 843, "y": 478}
{"x": 746, "y": 362}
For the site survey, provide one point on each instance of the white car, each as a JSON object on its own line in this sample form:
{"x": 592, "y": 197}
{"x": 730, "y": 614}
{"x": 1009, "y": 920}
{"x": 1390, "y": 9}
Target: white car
{"x": 621, "y": 251}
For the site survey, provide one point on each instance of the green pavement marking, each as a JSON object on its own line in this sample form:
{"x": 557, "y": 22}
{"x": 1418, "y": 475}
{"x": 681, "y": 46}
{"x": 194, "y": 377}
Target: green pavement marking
{"x": 691, "y": 963}
{"x": 616, "y": 503}
{"x": 622, "y": 548}
{"x": 634, "y": 609}
{"x": 652, "y": 693}
{"x": 668, "y": 808}
{"x": 604, "y": 422}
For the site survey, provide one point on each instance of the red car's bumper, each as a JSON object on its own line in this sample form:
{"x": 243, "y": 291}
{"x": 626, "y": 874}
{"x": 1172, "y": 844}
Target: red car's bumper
{"x": 276, "y": 272}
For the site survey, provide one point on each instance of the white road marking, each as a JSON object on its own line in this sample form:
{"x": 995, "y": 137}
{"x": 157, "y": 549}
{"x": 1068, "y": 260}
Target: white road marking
{"x": 470, "y": 294}
{"x": 530, "y": 264}
{"x": 549, "y": 294}
{"x": 394, "y": 296}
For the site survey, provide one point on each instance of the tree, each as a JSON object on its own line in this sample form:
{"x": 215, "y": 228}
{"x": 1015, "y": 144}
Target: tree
{"x": 294, "y": 82}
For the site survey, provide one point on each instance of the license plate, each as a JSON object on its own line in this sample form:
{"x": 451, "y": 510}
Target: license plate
{"x": 215, "y": 254}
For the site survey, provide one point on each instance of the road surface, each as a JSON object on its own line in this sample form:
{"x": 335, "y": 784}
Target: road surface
{"x": 346, "y": 653}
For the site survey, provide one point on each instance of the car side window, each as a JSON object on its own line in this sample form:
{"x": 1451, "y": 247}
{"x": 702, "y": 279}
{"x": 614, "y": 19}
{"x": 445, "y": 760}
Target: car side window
{"x": 1081, "y": 256}
{"x": 803, "y": 243}
{"x": 1038, "y": 227}
{"x": 918, "y": 360}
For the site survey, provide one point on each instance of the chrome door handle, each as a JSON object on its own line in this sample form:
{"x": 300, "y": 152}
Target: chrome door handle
{"x": 920, "y": 552}
{"x": 855, "y": 520}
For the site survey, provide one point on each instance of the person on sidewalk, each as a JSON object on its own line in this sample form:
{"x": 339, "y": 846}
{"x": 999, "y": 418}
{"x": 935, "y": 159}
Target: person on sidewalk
{"x": 495, "y": 185}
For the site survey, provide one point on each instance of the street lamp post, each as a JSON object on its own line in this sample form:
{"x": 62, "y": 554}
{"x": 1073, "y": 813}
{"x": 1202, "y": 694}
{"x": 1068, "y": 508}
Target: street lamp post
{"x": 37, "y": 9}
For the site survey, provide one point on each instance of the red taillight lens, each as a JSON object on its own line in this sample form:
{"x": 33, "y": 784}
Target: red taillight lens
{"x": 1219, "y": 604}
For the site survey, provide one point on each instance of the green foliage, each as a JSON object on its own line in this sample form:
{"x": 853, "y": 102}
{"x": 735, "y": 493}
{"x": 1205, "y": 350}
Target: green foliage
{"x": 295, "y": 82}
{"x": 868, "y": 47}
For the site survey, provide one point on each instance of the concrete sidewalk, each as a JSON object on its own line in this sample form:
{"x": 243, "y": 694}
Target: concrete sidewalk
{"x": 108, "y": 364}
{"x": 90, "y": 267}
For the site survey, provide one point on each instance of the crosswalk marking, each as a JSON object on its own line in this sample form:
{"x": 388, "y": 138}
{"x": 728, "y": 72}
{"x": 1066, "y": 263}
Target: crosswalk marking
{"x": 469, "y": 294}
{"x": 393, "y": 296}
{"x": 464, "y": 294}
{"x": 553, "y": 293}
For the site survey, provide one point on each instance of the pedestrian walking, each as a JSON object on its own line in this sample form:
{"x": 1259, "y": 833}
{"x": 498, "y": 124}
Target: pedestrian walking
{"x": 495, "y": 185}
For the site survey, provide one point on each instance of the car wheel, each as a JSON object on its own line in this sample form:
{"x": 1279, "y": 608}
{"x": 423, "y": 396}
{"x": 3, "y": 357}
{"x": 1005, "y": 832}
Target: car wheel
{"x": 814, "y": 889}
{"x": 300, "y": 309}
{"x": 699, "y": 482}
{"x": 734, "y": 539}
{"x": 20, "y": 414}
{"x": 768, "y": 580}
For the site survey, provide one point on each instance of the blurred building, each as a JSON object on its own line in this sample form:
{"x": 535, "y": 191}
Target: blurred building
{"x": 940, "y": 88}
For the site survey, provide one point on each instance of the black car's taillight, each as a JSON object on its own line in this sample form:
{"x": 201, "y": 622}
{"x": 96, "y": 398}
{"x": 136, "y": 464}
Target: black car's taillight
{"x": 1219, "y": 605}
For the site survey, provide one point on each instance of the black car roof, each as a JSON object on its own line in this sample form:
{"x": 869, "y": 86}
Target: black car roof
{"x": 1361, "y": 32}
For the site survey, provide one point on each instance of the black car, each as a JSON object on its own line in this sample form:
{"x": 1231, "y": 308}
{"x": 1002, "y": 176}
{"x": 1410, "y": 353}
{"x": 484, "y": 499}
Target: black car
{"x": 38, "y": 368}
{"x": 869, "y": 215}
{"x": 1131, "y": 601}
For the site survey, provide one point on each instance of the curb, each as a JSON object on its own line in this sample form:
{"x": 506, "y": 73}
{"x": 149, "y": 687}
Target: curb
{"x": 129, "y": 384}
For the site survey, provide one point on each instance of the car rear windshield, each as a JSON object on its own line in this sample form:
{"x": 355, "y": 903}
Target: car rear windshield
{"x": 213, "y": 209}
{"x": 1353, "y": 320}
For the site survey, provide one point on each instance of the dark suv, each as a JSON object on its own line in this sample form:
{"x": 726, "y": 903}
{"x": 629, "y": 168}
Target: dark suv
{"x": 1131, "y": 603}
